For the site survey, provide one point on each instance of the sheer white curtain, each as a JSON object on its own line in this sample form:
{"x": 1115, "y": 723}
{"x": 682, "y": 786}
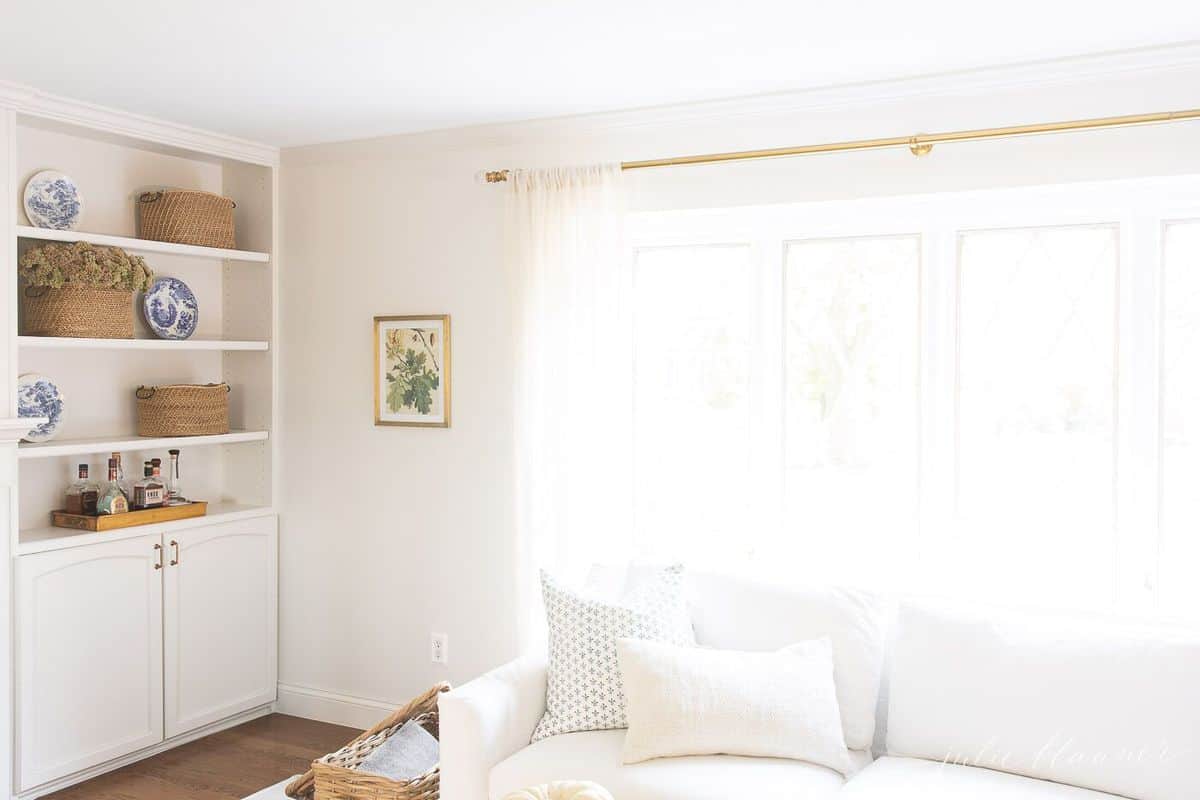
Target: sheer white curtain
{"x": 571, "y": 279}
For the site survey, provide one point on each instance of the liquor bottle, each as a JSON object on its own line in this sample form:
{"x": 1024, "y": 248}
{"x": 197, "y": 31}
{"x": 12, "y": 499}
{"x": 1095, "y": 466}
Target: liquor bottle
{"x": 126, "y": 485}
{"x": 148, "y": 492}
{"x": 174, "y": 488}
{"x": 113, "y": 499}
{"x": 83, "y": 494}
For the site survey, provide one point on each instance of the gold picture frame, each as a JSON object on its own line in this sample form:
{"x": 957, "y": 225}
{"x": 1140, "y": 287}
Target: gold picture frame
{"x": 412, "y": 370}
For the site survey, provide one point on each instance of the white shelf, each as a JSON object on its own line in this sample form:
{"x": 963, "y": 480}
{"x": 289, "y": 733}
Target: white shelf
{"x": 40, "y": 540}
{"x": 139, "y": 245}
{"x": 70, "y": 447}
{"x": 166, "y": 345}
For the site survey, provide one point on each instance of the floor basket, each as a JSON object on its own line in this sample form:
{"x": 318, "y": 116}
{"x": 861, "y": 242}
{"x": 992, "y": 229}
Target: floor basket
{"x": 76, "y": 311}
{"x": 187, "y": 217}
{"x": 336, "y": 776}
{"x": 183, "y": 410}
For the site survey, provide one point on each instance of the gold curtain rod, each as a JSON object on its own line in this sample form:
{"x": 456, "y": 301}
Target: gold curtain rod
{"x": 919, "y": 144}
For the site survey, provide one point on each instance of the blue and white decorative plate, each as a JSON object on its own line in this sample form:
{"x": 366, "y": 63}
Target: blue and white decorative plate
{"x": 52, "y": 200}
{"x": 171, "y": 309}
{"x": 37, "y": 396}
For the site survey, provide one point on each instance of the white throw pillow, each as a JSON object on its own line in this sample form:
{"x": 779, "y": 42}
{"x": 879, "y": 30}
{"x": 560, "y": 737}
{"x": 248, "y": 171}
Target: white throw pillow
{"x": 583, "y": 683}
{"x": 684, "y": 701}
{"x": 742, "y": 613}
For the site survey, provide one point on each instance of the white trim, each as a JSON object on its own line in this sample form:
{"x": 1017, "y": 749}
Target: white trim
{"x": 28, "y": 100}
{"x": 339, "y": 709}
{"x": 963, "y": 83}
{"x": 1047, "y": 72}
{"x": 161, "y": 747}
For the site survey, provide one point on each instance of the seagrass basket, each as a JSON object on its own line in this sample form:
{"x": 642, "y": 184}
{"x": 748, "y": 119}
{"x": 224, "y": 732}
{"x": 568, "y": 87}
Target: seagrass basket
{"x": 336, "y": 776}
{"x": 187, "y": 217}
{"x": 77, "y": 311}
{"x": 183, "y": 409}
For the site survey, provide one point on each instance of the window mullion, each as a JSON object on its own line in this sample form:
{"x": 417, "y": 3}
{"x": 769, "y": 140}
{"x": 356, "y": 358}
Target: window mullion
{"x": 767, "y": 387}
{"x": 938, "y": 348}
{"x": 1137, "y": 385}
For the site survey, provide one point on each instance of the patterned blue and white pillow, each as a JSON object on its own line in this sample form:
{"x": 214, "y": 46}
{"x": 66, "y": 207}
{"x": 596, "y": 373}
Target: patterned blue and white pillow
{"x": 583, "y": 682}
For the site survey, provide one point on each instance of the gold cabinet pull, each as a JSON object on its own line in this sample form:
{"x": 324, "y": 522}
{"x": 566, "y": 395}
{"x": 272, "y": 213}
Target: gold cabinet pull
{"x": 175, "y": 553}
{"x": 158, "y": 552}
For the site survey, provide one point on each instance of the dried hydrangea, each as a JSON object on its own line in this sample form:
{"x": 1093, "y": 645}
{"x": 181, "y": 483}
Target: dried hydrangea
{"x": 85, "y": 265}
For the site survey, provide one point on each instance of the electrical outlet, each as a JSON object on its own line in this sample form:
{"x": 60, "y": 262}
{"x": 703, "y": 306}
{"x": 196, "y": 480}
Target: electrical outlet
{"x": 439, "y": 643}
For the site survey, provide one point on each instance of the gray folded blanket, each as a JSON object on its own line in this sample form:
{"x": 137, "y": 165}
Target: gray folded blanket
{"x": 408, "y": 753}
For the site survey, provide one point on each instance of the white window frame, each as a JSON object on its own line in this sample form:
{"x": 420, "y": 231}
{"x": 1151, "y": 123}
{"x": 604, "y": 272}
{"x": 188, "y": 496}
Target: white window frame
{"x": 1142, "y": 208}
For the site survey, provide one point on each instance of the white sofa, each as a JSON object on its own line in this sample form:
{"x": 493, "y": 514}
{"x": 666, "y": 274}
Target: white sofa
{"x": 975, "y": 708}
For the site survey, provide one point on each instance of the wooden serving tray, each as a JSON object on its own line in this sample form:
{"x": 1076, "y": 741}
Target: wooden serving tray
{"x": 112, "y": 522}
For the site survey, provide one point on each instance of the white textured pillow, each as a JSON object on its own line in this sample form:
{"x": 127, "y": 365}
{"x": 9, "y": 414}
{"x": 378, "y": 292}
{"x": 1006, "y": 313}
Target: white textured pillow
{"x": 583, "y": 683}
{"x": 684, "y": 701}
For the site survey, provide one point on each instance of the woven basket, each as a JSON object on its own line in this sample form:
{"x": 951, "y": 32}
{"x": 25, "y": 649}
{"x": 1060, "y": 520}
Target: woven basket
{"x": 183, "y": 410}
{"x": 336, "y": 776}
{"x": 77, "y": 311}
{"x": 187, "y": 217}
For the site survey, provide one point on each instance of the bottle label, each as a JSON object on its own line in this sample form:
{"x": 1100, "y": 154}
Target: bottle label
{"x": 153, "y": 496}
{"x": 114, "y": 504}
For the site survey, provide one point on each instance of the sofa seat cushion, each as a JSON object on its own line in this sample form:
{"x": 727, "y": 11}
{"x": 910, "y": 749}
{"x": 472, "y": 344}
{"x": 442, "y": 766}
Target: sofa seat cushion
{"x": 596, "y": 756}
{"x": 892, "y": 778}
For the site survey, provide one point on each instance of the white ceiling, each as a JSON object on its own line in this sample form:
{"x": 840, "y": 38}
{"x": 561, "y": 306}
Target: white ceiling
{"x": 291, "y": 72}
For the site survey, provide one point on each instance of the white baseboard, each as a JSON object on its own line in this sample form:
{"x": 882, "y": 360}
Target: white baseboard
{"x": 340, "y": 709}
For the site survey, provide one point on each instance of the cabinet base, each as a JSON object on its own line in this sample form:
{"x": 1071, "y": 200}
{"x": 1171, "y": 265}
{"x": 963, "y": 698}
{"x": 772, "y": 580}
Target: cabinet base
{"x": 161, "y": 747}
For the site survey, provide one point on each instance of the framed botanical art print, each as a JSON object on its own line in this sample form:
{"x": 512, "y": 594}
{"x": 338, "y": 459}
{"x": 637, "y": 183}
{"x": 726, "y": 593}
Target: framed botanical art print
{"x": 412, "y": 371}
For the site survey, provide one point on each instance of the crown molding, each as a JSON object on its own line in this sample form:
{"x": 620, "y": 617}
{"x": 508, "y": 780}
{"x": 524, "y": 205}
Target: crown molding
{"x": 1044, "y": 73}
{"x": 975, "y": 82}
{"x": 34, "y": 102}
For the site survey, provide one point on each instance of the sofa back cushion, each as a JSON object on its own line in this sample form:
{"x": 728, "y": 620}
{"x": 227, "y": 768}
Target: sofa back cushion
{"x": 736, "y": 613}
{"x": 1076, "y": 701}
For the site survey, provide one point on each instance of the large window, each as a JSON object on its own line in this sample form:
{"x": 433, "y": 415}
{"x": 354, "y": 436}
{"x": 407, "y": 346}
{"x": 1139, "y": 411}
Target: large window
{"x": 991, "y": 393}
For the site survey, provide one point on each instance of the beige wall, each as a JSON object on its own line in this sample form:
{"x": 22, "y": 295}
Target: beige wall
{"x": 390, "y": 533}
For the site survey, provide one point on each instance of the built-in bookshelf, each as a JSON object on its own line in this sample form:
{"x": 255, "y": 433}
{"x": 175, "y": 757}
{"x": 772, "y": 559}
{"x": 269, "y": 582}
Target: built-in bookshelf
{"x": 234, "y": 341}
{"x": 173, "y": 623}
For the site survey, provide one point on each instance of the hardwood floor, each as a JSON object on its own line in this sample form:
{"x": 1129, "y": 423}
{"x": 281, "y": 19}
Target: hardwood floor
{"x": 224, "y": 766}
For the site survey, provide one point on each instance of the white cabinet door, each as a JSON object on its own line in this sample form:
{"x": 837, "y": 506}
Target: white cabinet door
{"x": 219, "y": 622}
{"x": 89, "y": 656}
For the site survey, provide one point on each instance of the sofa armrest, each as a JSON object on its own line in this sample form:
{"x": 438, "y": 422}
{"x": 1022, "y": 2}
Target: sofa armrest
{"x": 483, "y": 722}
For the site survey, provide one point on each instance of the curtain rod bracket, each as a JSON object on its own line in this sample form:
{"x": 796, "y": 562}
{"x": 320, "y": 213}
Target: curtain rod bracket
{"x": 919, "y": 148}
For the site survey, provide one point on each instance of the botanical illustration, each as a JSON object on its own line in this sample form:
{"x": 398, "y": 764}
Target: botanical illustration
{"x": 412, "y": 356}
{"x": 413, "y": 369}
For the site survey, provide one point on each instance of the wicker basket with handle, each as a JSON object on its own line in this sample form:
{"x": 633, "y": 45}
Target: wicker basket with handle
{"x": 187, "y": 217}
{"x": 183, "y": 409}
{"x": 336, "y": 776}
{"x": 77, "y": 311}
